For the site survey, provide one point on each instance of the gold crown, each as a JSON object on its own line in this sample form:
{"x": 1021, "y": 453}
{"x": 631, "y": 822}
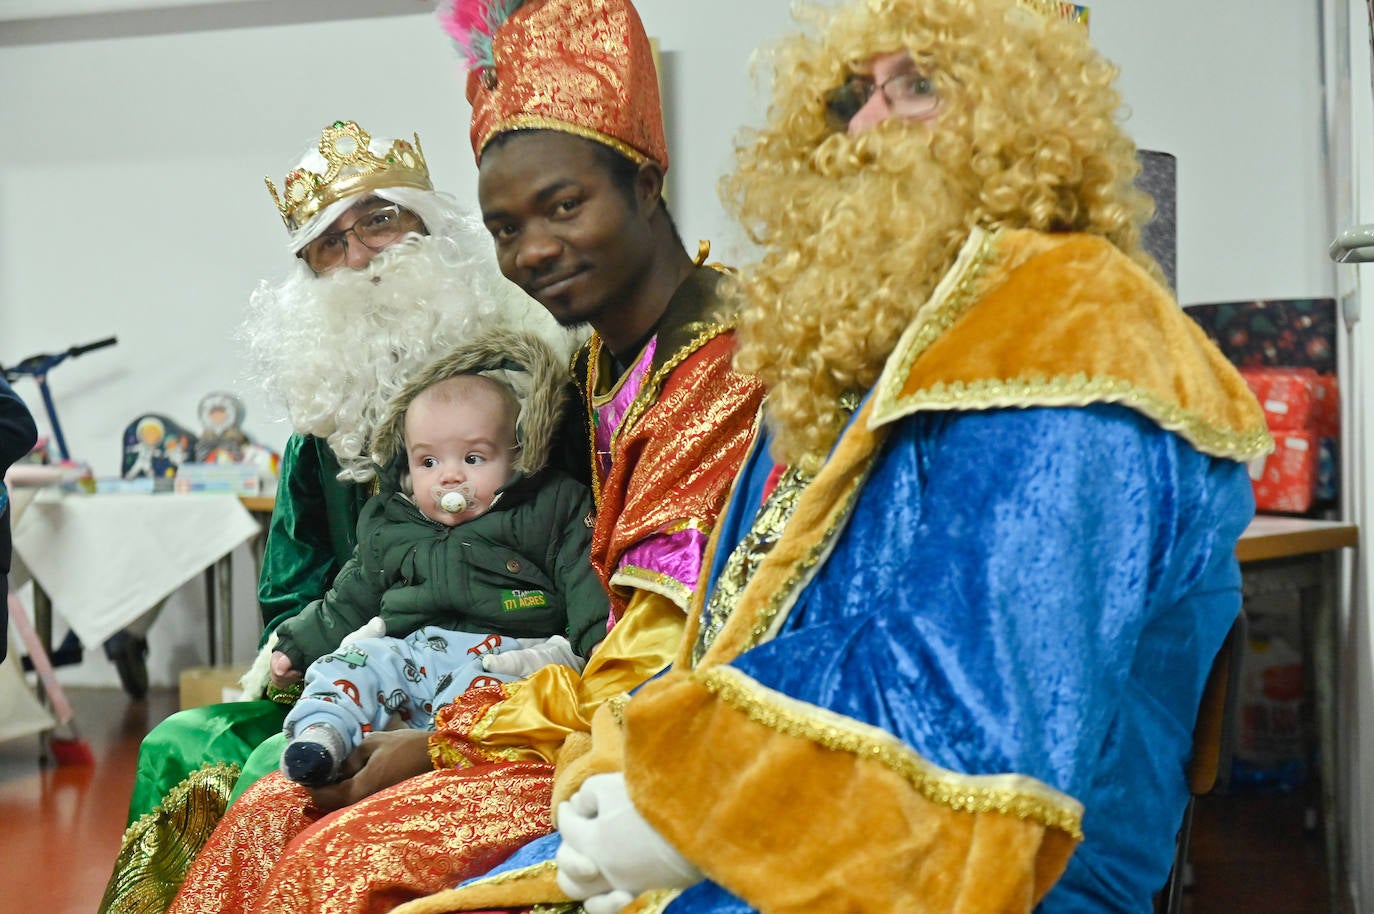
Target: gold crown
{"x": 1058, "y": 9}
{"x": 351, "y": 168}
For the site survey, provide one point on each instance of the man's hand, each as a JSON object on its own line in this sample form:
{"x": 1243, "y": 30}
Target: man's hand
{"x": 532, "y": 654}
{"x": 384, "y": 759}
{"x": 282, "y": 675}
{"x": 609, "y": 852}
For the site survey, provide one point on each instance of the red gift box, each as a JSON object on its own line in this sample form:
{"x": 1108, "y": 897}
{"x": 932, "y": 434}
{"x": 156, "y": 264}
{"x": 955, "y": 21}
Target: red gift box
{"x": 1327, "y": 406}
{"x": 1286, "y": 480}
{"x": 1288, "y": 396}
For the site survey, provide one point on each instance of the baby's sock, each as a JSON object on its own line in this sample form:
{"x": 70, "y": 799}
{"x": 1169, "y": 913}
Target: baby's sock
{"x": 314, "y": 756}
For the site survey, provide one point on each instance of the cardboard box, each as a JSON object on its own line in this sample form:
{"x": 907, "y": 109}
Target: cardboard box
{"x": 221, "y": 478}
{"x": 209, "y": 685}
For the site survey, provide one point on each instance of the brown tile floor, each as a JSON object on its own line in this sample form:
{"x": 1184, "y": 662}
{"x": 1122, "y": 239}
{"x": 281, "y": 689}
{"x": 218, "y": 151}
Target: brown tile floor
{"x": 1252, "y": 855}
{"x": 60, "y": 826}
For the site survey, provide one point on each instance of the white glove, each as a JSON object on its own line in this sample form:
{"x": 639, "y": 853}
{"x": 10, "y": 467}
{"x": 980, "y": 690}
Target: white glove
{"x": 532, "y": 654}
{"x": 608, "y": 903}
{"x": 372, "y": 628}
{"x": 608, "y": 850}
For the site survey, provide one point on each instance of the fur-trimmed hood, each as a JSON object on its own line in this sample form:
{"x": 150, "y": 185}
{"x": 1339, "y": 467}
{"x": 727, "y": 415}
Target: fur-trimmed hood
{"x": 522, "y": 361}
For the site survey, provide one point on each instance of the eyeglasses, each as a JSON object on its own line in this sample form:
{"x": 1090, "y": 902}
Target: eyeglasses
{"x": 375, "y": 229}
{"x": 907, "y": 95}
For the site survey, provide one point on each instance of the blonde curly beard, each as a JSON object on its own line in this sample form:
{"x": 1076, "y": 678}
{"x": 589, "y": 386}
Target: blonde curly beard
{"x": 858, "y": 230}
{"x": 863, "y": 240}
{"x": 335, "y": 349}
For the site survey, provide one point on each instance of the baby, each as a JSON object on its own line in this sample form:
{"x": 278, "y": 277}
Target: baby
{"x": 476, "y": 549}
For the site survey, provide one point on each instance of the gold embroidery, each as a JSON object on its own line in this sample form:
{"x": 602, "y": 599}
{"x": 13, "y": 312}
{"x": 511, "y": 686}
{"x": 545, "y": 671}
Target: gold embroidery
{"x": 461, "y": 727}
{"x": 739, "y": 568}
{"x": 1081, "y": 390}
{"x": 417, "y": 842}
{"x": 687, "y": 523}
{"x": 156, "y": 851}
{"x": 593, "y": 349}
{"x": 1009, "y": 794}
{"x": 633, "y": 576}
{"x": 524, "y": 872}
{"x": 536, "y": 122}
{"x": 647, "y": 395}
{"x": 763, "y": 620}
{"x": 580, "y": 67}
{"x": 653, "y": 581}
{"x": 617, "y": 707}
{"x": 953, "y": 295}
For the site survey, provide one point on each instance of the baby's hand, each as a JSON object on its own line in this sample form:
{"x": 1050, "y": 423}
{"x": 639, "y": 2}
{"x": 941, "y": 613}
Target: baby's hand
{"x": 282, "y": 674}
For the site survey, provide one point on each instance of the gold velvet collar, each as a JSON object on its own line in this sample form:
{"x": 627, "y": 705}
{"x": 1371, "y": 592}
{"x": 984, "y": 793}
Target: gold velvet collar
{"x": 1025, "y": 318}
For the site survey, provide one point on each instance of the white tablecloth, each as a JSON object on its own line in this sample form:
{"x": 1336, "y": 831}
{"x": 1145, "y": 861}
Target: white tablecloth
{"x": 105, "y": 560}
{"x": 20, "y": 712}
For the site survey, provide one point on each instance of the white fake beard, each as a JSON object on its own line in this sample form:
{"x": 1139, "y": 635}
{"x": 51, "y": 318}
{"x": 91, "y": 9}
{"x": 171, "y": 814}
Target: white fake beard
{"x": 335, "y": 349}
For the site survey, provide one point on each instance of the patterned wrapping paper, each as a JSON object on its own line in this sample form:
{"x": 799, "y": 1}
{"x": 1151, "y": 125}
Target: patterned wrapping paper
{"x": 1273, "y": 333}
{"x": 1288, "y": 396}
{"x": 1286, "y": 481}
{"x": 1295, "y": 333}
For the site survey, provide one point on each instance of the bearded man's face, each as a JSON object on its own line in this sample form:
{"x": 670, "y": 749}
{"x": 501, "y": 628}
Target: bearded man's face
{"x": 334, "y": 349}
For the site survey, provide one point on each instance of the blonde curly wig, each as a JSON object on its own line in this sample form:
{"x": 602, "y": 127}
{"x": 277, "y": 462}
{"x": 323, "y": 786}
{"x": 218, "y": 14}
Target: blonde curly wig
{"x": 856, "y": 231}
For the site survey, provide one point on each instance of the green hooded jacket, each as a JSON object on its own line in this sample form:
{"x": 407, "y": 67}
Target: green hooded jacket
{"x": 522, "y": 569}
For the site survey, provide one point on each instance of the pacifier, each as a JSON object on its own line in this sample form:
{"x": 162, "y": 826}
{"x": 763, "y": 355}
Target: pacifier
{"x": 455, "y": 500}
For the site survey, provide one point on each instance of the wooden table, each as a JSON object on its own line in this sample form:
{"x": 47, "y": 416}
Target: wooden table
{"x": 1272, "y": 537}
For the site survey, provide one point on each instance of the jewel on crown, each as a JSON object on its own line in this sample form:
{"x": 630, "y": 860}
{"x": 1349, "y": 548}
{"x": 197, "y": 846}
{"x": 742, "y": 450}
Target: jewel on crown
{"x": 350, "y": 167}
{"x": 1058, "y": 9}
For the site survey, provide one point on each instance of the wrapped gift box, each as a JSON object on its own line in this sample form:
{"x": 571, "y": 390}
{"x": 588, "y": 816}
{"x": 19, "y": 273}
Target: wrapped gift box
{"x": 1285, "y": 481}
{"x": 1300, "y": 332}
{"x": 1327, "y": 406}
{"x": 1328, "y": 427}
{"x": 1287, "y": 333}
{"x": 1287, "y": 395}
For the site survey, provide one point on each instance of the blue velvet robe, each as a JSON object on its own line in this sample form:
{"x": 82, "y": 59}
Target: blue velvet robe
{"x": 1036, "y": 591}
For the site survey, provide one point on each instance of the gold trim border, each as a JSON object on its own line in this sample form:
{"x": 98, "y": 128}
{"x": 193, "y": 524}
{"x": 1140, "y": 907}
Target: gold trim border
{"x": 657, "y": 582}
{"x": 645, "y": 398}
{"x": 1009, "y": 794}
{"x": 541, "y": 122}
{"x": 525, "y": 872}
{"x": 648, "y": 392}
{"x": 952, "y": 297}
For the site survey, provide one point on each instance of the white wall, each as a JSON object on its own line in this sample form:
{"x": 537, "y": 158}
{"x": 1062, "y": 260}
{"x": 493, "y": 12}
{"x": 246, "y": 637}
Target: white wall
{"x": 135, "y": 143}
{"x": 132, "y": 204}
{"x": 131, "y": 197}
